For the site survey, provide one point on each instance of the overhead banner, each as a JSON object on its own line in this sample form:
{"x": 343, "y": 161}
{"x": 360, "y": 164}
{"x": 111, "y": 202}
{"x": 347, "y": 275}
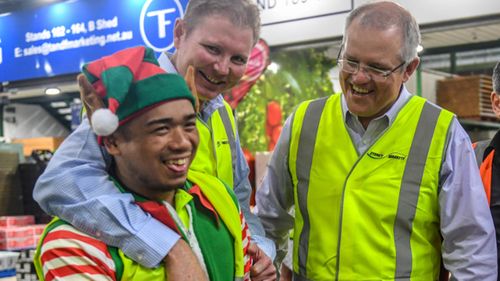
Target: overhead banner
{"x": 282, "y": 11}
{"x": 58, "y": 39}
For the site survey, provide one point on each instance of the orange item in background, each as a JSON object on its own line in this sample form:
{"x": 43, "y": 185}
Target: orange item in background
{"x": 273, "y": 123}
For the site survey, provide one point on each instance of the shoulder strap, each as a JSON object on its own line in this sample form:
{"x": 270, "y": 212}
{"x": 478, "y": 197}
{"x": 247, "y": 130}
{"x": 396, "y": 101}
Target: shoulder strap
{"x": 479, "y": 149}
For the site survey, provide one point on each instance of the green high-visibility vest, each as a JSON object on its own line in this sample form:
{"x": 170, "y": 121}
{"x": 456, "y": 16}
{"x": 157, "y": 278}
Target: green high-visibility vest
{"x": 216, "y": 154}
{"x": 373, "y": 216}
{"x": 226, "y": 206}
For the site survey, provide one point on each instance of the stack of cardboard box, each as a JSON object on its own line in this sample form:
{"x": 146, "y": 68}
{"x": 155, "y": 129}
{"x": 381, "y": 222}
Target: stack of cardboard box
{"x": 19, "y": 232}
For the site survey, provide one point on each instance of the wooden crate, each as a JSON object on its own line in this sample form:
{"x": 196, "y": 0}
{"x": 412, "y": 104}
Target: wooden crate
{"x": 466, "y": 96}
{"x": 49, "y": 143}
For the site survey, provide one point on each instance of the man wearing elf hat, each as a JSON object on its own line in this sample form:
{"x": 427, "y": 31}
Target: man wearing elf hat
{"x": 215, "y": 37}
{"x": 152, "y": 147}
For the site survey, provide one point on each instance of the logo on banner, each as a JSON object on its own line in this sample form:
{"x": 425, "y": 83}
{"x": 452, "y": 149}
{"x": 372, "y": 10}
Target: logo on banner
{"x": 157, "y": 23}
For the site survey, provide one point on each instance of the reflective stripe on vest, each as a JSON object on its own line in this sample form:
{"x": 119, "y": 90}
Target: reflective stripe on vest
{"x": 228, "y": 127}
{"x": 223, "y": 130}
{"x": 410, "y": 187}
{"x": 303, "y": 143}
{"x": 305, "y": 153}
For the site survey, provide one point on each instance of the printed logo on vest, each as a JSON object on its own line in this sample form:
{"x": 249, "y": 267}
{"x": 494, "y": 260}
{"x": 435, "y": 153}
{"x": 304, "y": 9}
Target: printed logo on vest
{"x": 397, "y": 156}
{"x": 392, "y": 155}
{"x": 222, "y": 142}
{"x": 376, "y": 155}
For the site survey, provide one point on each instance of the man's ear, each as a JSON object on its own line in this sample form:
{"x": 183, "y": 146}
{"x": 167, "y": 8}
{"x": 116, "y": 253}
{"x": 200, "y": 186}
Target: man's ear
{"x": 179, "y": 31}
{"x": 111, "y": 144}
{"x": 495, "y": 103}
{"x": 190, "y": 81}
{"x": 89, "y": 97}
{"x": 410, "y": 69}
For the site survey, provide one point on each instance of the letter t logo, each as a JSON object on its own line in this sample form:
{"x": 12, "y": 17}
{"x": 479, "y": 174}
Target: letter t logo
{"x": 162, "y": 22}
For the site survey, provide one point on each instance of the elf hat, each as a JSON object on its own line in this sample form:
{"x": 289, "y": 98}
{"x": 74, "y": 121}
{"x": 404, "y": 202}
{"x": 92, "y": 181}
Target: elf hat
{"x": 130, "y": 82}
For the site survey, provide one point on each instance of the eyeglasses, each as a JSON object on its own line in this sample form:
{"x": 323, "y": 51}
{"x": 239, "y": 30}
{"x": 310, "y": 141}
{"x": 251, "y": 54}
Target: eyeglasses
{"x": 375, "y": 73}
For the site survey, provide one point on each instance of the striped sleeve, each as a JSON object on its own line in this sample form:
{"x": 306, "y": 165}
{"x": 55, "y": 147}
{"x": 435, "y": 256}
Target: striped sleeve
{"x": 245, "y": 235}
{"x": 68, "y": 254}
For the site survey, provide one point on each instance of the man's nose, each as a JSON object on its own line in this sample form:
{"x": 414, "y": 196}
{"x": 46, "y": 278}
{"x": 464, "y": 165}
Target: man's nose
{"x": 222, "y": 66}
{"x": 179, "y": 139}
{"x": 361, "y": 76}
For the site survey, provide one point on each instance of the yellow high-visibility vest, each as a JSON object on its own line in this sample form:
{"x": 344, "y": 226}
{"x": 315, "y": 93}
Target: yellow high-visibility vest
{"x": 373, "y": 216}
{"x": 216, "y": 154}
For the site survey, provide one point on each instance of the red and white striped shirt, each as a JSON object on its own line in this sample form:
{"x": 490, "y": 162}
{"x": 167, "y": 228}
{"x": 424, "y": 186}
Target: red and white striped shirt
{"x": 68, "y": 254}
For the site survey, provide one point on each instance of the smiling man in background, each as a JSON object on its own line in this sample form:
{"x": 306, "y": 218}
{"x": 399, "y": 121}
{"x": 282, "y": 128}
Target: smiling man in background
{"x": 215, "y": 37}
{"x": 152, "y": 149}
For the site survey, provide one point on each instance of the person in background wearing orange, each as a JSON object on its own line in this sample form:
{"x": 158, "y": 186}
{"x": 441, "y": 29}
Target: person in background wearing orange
{"x": 488, "y": 159}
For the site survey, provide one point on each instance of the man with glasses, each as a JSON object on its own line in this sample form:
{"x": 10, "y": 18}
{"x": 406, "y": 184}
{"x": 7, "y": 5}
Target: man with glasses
{"x": 384, "y": 184}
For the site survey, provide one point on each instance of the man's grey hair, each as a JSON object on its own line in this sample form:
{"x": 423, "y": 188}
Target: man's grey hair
{"x": 242, "y": 13}
{"x": 496, "y": 78}
{"x": 383, "y": 15}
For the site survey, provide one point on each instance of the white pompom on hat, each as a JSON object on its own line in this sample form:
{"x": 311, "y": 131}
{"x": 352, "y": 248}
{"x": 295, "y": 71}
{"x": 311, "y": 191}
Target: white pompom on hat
{"x": 104, "y": 122}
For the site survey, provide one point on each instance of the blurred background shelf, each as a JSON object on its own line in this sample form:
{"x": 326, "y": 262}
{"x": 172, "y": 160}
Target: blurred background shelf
{"x": 479, "y": 124}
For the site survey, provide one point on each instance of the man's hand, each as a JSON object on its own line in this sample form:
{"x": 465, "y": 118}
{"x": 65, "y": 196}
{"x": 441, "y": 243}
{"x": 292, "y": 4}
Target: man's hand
{"x": 89, "y": 97}
{"x": 285, "y": 273}
{"x": 182, "y": 265}
{"x": 262, "y": 268}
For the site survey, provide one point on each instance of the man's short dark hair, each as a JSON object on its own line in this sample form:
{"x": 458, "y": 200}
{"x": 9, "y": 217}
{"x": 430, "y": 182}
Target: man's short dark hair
{"x": 242, "y": 13}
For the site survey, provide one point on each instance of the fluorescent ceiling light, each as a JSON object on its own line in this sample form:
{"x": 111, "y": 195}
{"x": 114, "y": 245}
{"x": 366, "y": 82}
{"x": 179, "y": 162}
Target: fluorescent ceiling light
{"x": 52, "y": 91}
{"x": 420, "y": 48}
{"x": 66, "y": 110}
{"x": 58, "y": 104}
{"x": 67, "y": 117}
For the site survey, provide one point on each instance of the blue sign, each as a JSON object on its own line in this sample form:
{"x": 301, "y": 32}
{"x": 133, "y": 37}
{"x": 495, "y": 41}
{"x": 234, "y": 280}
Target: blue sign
{"x": 58, "y": 39}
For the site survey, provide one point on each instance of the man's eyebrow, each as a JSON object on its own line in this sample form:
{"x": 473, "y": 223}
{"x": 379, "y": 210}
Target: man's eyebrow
{"x": 169, "y": 120}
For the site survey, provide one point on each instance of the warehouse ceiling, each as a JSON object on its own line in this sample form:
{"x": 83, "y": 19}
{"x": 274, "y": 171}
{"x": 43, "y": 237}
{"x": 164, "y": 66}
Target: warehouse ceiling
{"x": 464, "y": 32}
{"x": 9, "y": 5}
{"x": 461, "y": 36}
{"x": 13, "y": 5}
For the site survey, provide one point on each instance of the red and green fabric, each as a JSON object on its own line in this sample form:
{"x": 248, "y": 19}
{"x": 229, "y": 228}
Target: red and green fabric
{"x": 131, "y": 82}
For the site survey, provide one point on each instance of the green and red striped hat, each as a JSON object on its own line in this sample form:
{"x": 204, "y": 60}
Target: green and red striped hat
{"x": 131, "y": 82}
